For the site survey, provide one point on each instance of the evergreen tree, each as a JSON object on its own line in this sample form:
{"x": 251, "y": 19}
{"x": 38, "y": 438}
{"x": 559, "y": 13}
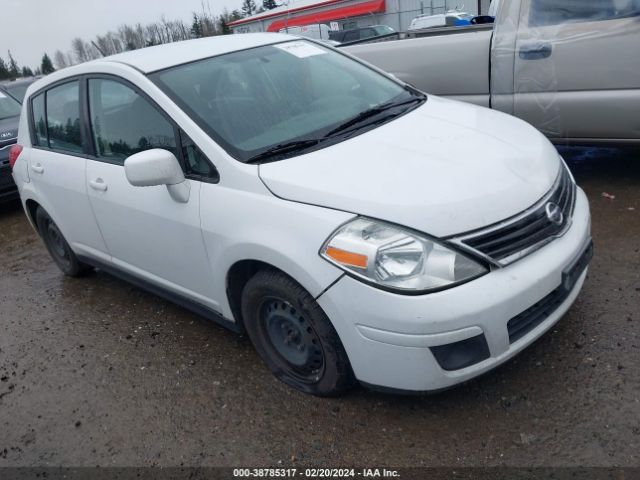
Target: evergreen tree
{"x": 224, "y": 28}
{"x": 269, "y": 4}
{"x": 47, "y": 65}
{"x": 14, "y": 70}
{"x": 27, "y": 72}
{"x": 4, "y": 71}
{"x": 248, "y": 7}
{"x": 196, "y": 27}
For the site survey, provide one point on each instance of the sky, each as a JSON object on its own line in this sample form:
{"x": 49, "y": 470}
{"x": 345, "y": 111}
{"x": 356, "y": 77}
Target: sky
{"x": 32, "y": 27}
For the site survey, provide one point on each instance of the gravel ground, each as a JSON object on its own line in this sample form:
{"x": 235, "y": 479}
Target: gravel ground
{"x": 96, "y": 372}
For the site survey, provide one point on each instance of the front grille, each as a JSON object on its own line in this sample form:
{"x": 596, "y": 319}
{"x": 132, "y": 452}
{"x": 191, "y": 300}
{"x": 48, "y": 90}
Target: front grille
{"x": 533, "y": 316}
{"x": 522, "y": 324}
{"x": 510, "y": 240}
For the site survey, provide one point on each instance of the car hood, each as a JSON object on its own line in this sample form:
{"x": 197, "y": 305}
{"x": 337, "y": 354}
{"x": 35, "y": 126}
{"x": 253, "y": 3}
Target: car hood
{"x": 445, "y": 168}
{"x": 8, "y": 129}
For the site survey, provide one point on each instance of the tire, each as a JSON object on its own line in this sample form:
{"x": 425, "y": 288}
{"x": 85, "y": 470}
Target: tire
{"x": 293, "y": 336}
{"x": 58, "y": 247}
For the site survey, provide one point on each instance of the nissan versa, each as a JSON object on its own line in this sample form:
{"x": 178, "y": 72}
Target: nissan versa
{"x": 353, "y": 227}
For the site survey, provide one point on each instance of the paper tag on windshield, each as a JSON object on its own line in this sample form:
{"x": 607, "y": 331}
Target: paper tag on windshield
{"x": 301, "y": 49}
{"x": 2, "y": 95}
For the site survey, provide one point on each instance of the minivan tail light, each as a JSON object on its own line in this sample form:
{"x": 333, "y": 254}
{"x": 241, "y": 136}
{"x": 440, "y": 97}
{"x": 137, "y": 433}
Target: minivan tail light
{"x": 14, "y": 153}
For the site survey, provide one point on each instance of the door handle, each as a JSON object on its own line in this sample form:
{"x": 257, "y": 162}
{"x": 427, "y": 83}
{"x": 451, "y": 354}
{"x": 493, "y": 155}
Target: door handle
{"x": 536, "y": 51}
{"x": 38, "y": 168}
{"x": 98, "y": 184}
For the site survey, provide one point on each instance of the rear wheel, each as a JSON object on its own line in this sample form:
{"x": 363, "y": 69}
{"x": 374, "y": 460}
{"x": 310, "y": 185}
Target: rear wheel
{"x": 293, "y": 335}
{"x": 58, "y": 247}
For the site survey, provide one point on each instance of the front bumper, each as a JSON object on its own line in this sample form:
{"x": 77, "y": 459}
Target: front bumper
{"x": 389, "y": 337}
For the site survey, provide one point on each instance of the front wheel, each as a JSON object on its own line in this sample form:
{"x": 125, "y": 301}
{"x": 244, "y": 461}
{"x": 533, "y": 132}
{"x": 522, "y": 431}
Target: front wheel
{"x": 293, "y": 336}
{"x": 58, "y": 247}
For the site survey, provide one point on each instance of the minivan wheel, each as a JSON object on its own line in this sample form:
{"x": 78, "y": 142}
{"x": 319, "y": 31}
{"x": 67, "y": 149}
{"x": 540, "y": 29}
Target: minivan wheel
{"x": 58, "y": 247}
{"x": 293, "y": 335}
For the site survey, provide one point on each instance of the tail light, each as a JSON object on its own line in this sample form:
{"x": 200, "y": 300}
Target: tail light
{"x": 14, "y": 153}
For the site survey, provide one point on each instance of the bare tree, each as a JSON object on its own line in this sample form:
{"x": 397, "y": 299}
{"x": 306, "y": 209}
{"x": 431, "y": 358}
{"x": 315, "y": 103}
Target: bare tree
{"x": 133, "y": 37}
{"x": 84, "y": 51}
{"x": 60, "y": 60}
{"x": 109, "y": 44}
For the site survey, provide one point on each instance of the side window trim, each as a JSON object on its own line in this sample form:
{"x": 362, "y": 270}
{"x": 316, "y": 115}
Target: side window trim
{"x": 214, "y": 178}
{"x": 33, "y": 134}
{"x": 85, "y": 121}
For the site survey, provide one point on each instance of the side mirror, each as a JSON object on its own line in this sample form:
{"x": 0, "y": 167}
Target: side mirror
{"x": 157, "y": 167}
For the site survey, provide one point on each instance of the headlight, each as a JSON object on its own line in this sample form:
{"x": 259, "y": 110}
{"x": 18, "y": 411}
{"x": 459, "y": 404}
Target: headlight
{"x": 398, "y": 259}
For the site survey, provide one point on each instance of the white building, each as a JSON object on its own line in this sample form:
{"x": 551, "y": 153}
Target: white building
{"x": 347, "y": 14}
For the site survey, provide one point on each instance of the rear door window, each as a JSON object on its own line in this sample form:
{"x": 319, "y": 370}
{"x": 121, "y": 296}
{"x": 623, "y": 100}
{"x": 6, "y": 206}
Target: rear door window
{"x": 124, "y": 123}
{"x": 555, "y": 12}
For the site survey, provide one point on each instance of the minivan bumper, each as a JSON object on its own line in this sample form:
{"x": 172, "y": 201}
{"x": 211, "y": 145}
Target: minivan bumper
{"x": 392, "y": 340}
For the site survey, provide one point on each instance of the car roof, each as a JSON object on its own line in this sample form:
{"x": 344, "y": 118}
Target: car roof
{"x": 159, "y": 57}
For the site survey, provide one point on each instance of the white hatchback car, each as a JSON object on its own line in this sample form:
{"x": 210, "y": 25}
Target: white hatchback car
{"x": 352, "y": 226}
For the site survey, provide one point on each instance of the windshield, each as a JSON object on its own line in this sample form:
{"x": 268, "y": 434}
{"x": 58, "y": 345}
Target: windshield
{"x": 257, "y": 100}
{"x": 17, "y": 91}
{"x": 9, "y": 107}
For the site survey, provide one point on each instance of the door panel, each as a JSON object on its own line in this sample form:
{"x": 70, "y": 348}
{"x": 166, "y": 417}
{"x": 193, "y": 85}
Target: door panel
{"x": 60, "y": 182}
{"x": 578, "y": 78}
{"x": 149, "y": 234}
{"x": 59, "y": 175}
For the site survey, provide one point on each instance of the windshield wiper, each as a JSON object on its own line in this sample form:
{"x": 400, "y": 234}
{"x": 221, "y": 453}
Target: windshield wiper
{"x": 284, "y": 148}
{"x": 372, "y": 112}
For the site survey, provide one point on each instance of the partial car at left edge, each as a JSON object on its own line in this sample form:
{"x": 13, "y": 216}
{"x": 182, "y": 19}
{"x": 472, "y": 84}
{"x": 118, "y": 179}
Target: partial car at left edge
{"x": 9, "y": 118}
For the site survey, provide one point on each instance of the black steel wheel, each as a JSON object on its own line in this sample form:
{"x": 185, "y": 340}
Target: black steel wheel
{"x": 291, "y": 339}
{"x": 293, "y": 335}
{"x": 58, "y": 247}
